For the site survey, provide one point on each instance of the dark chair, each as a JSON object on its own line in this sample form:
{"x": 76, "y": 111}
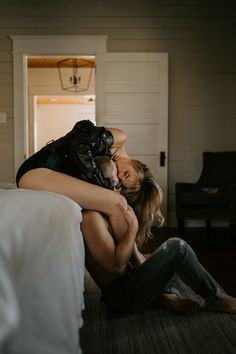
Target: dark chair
{"x": 213, "y": 196}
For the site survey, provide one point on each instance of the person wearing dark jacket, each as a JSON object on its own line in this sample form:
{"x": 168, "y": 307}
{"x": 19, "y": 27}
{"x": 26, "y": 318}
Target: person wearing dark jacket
{"x": 75, "y": 154}
{"x": 69, "y": 166}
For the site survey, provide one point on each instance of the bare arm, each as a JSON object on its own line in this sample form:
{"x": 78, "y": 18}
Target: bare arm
{"x": 110, "y": 254}
{"x": 88, "y": 196}
{"x": 137, "y": 257}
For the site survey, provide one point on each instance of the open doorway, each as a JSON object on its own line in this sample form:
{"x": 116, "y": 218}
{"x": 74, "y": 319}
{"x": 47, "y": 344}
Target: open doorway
{"x": 54, "y": 106}
{"x": 54, "y": 116}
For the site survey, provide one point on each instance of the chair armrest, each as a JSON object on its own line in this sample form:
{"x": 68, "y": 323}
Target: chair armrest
{"x": 232, "y": 203}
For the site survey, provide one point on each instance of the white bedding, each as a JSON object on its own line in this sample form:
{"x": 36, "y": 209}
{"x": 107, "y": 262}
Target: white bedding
{"x": 41, "y": 273}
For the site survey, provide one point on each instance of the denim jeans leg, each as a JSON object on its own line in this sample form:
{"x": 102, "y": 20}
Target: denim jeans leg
{"x": 173, "y": 285}
{"x": 138, "y": 288}
{"x": 193, "y": 274}
{"x": 173, "y": 256}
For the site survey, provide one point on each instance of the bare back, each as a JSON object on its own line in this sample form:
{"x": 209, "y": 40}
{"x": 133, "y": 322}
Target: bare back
{"x": 106, "y": 259}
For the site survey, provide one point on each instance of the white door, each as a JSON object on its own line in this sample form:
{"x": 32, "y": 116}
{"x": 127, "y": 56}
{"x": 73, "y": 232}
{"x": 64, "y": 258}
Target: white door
{"x": 132, "y": 94}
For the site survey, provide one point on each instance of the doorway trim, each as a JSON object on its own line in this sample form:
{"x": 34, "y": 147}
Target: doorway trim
{"x": 24, "y": 46}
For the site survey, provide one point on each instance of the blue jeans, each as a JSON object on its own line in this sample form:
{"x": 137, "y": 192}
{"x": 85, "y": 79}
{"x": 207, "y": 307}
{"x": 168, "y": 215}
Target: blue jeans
{"x": 137, "y": 288}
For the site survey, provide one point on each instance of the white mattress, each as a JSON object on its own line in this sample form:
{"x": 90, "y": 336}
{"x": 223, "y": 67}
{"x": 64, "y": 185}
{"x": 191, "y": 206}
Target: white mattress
{"x": 42, "y": 273}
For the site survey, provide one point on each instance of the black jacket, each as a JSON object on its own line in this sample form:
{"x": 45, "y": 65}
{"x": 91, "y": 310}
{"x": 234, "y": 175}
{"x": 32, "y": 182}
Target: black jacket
{"x": 75, "y": 153}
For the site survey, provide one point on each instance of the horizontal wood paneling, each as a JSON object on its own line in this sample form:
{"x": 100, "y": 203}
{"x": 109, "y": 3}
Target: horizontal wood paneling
{"x": 199, "y": 37}
{"x": 5, "y": 79}
{"x": 95, "y": 22}
{"x": 5, "y": 68}
{"x": 117, "y": 9}
{"x": 5, "y": 45}
{"x": 5, "y": 101}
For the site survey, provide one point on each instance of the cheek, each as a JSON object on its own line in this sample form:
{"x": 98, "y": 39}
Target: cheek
{"x": 122, "y": 166}
{"x": 121, "y": 171}
{"x": 131, "y": 182}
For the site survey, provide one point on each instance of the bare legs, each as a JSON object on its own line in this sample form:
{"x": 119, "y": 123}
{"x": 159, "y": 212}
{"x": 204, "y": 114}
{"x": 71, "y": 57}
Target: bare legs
{"x": 88, "y": 196}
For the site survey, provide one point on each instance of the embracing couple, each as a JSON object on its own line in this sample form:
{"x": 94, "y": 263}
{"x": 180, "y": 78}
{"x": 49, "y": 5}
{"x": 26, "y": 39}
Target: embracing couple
{"x": 120, "y": 199}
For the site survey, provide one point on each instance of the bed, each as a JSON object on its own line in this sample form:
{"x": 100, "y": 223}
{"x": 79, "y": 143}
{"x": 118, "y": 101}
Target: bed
{"x": 41, "y": 273}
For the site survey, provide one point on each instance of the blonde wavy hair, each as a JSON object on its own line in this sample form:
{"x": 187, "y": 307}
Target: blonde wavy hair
{"x": 145, "y": 198}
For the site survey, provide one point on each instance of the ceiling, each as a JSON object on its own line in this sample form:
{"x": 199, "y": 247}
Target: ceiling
{"x": 51, "y": 62}
{"x": 82, "y": 100}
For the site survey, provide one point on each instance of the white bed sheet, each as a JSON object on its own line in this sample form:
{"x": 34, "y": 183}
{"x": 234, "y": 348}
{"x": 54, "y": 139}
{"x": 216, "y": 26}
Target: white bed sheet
{"x": 41, "y": 273}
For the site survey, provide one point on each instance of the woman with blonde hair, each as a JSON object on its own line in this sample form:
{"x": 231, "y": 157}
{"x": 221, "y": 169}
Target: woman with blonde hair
{"x": 68, "y": 166}
{"x": 145, "y": 198}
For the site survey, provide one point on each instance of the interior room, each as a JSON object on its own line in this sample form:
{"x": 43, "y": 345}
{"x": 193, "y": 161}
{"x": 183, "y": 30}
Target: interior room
{"x": 163, "y": 72}
{"x": 54, "y": 105}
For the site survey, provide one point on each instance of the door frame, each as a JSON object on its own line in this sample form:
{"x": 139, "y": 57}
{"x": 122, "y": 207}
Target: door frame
{"x": 24, "y": 46}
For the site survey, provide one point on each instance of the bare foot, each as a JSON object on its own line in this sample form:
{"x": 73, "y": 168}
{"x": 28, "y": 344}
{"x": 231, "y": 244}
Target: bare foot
{"x": 225, "y": 304}
{"x": 178, "y": 303}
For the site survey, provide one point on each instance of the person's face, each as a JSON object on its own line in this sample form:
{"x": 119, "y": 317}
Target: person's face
{"x": 128, "y": 176}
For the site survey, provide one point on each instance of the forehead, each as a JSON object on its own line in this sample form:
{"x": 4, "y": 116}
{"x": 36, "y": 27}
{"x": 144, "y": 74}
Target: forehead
{"x": 127, "y": 165}
{"x": 124, "y": 163}
{"x": 113, "y": 165}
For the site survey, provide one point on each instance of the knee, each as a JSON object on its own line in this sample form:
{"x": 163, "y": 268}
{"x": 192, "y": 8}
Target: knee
{"x": 181, "y": 246}
{"x": 175, "y": 243}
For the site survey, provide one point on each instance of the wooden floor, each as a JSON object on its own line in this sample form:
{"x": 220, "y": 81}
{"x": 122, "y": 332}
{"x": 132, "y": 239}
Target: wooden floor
{"x": 216, "y": 252}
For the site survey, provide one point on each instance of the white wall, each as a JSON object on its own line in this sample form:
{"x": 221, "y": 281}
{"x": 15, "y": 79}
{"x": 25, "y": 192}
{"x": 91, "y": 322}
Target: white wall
{"x": 55, "y": 120}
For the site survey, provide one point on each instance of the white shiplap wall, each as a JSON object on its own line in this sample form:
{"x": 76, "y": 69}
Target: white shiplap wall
{"x": 199, "y": 37}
